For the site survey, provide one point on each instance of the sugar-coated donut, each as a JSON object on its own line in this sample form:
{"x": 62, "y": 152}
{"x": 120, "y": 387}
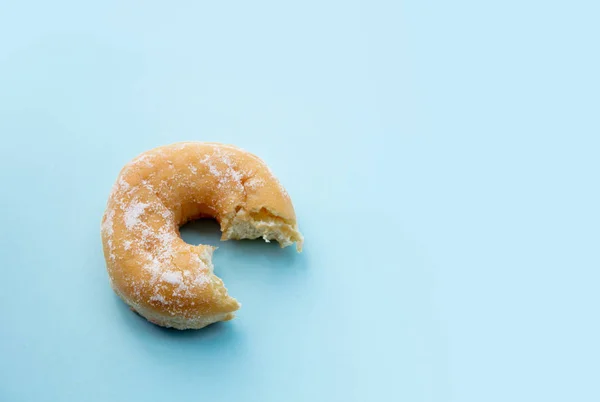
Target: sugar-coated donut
{"x": 167, "y": 281}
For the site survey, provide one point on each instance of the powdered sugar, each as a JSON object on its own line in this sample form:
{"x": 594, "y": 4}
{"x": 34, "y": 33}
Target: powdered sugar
{"x": 120, "y": 186}
{"x": 213, "y": 170}
{"x": 107, "y": 225}
{"x": 133, "y": 212}
{"x": 157, "y": 297}
{"x": 229, "y": 174}
{"x": 143, "y": 160}
{"x": 201, "y": 280}
{"x": 255, "y": 183}
{"x": 172, "y": 277}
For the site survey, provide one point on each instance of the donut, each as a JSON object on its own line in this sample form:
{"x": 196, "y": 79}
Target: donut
{"x": 162, "y": 278}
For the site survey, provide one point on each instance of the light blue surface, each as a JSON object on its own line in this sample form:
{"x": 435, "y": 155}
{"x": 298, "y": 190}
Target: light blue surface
{"x": 443, "y": 159}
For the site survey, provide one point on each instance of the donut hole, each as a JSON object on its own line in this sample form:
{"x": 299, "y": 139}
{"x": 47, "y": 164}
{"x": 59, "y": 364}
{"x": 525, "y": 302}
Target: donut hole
{"x": 201, "y": 231}
{"x": 192, "y": 211}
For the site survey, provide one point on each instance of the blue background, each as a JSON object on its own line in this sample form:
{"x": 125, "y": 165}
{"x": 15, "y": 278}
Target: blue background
{"x": 443, "y": 159}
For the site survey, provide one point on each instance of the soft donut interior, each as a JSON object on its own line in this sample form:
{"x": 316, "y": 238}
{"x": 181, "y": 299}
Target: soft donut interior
{"x": 252, "y": 225}
{"x": 247, "y": 224}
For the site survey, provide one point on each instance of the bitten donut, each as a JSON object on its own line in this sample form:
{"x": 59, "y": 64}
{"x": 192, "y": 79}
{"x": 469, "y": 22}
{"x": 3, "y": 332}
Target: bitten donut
{"x": 167, "y": 281}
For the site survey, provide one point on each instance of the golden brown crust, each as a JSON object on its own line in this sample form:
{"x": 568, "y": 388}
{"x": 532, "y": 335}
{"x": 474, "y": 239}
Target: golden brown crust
{"x": 159, "y": 275}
